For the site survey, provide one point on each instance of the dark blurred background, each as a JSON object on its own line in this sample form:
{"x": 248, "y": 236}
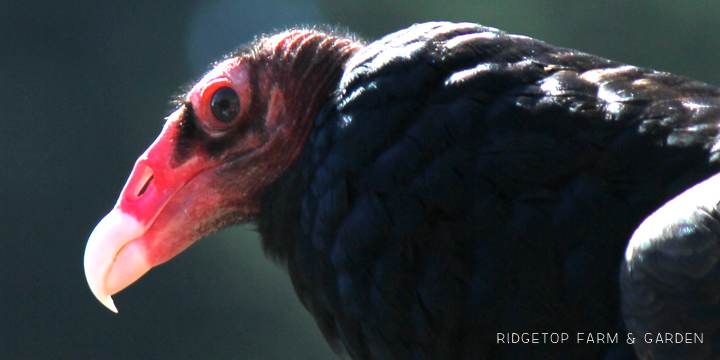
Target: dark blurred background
{"x": 84, "y": 88}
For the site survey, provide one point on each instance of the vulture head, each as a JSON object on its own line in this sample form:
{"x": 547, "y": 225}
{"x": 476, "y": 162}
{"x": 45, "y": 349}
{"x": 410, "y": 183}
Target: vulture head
{"x": 236, "y": 131}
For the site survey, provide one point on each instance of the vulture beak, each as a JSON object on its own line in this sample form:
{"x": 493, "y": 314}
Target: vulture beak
{"x": 148, "y": 224}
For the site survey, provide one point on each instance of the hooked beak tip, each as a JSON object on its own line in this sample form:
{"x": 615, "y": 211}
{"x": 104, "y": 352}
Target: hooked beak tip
{"x": 108, "y": 302}
{"x": 112, "y": 260}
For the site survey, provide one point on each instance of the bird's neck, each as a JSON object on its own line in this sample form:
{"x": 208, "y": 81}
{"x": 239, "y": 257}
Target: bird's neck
{"x": 302, "y": 70}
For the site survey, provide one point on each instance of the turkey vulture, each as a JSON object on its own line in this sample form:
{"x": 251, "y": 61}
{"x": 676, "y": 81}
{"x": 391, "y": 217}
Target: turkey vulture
{"x": 450, "y": 191}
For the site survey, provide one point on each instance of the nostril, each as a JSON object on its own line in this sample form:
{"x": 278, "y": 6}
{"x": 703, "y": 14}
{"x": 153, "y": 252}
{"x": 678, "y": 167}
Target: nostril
{"x": 143, "y": 183}
{"x": 147, "y": 183}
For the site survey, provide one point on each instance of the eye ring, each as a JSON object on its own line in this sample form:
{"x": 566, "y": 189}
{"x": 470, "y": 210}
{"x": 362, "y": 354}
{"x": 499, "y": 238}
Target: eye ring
{"x": 225, "y": 105}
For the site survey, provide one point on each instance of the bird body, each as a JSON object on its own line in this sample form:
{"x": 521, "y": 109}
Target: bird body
{"x": 440, "y": 190}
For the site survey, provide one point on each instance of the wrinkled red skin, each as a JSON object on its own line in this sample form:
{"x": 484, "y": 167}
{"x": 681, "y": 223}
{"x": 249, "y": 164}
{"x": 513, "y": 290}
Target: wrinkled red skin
{"x": 183, "y": 187}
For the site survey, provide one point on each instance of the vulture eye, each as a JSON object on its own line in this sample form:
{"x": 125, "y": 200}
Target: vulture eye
{"x": 225, "y": 105}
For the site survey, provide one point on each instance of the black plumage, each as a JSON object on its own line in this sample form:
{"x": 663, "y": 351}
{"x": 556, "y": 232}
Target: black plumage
{"x": 464, "y": 183}
{"x": 445, "y": 191}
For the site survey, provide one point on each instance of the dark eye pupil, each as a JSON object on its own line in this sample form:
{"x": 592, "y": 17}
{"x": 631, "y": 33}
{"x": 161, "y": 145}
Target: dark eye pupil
{"x": 225, "y": 105}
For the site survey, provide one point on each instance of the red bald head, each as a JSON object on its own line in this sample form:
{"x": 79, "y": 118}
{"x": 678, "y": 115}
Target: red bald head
{"x": 240, "y": 127}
